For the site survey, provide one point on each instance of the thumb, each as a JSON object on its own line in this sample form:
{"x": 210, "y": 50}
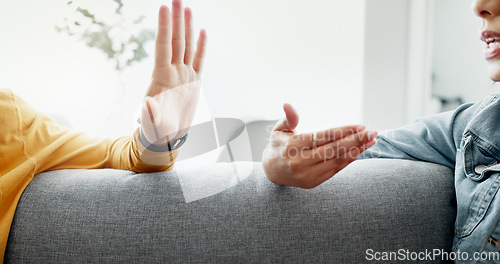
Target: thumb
{"x": 290, "y": 122}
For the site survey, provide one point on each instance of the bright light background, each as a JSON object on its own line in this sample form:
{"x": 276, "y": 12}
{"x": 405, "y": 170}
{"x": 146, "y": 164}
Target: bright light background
{"x": 459, "y": 67}
{"x": 260, "y": 54}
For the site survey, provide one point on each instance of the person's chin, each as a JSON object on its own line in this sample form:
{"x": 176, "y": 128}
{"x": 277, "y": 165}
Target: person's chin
{"x": 494, "y": 70}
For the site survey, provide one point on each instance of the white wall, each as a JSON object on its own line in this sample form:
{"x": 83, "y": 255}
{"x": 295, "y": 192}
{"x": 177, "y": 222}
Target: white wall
{"x": 398, "y": 62}
{"x": 264, "y": 53}
{"x": 459, "y": 68}
{"x": 58, "y": 74}
{"x": 385, "y": 63}
{"x": 261, "y": 54}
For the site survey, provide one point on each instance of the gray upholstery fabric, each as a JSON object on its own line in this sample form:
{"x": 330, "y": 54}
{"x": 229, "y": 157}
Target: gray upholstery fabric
{"x": 110, "y": 216}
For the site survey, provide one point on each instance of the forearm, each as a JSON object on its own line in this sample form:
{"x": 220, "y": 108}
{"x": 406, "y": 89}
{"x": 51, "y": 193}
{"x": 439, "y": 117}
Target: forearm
{"x": 66, "y": 149}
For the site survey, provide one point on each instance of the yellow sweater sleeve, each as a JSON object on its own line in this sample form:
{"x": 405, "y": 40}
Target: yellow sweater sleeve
{"x": 31, "y": 143}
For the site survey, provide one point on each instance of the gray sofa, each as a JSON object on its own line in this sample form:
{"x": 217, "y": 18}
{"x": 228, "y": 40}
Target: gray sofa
{"x": 232, "y": 214}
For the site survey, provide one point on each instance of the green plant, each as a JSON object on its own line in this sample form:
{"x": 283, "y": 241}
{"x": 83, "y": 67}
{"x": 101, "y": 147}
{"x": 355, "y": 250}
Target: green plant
{"x": 109, "y": 37}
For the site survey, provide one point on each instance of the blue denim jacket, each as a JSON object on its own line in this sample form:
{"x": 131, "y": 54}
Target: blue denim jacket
{"x": 468, "y": 141}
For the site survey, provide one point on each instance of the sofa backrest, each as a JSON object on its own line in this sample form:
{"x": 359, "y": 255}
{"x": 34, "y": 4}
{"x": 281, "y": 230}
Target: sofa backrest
{"x": 102, "y": 216}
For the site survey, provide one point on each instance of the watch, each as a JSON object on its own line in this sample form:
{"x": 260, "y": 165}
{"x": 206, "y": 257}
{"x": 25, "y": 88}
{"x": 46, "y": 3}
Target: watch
{"x": 171, "y": 145}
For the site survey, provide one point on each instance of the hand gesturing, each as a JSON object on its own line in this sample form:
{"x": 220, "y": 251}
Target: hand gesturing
{"x": 307, "y": 160}
{"x": 172, "y": 98}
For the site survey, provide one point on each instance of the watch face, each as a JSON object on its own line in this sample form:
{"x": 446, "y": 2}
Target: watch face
{"x": 177, "y": 143}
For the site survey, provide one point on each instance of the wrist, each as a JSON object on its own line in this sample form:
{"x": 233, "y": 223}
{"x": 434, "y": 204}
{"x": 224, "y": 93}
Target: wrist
{"x": 167, "y": 145}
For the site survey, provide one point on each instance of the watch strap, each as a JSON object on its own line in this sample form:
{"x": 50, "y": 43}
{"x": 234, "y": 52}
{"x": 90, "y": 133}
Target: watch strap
{"x": 171, "y": 145}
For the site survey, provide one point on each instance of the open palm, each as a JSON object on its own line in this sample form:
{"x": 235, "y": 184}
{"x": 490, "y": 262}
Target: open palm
{"x": 172, "y": 98}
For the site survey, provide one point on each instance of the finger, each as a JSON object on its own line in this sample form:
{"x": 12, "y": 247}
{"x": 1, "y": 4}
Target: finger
{"x": 330, "y": 135}
{"x": 341, "y": 147}
{"x": 188, "y": 20}
{"x": 290, "y": 122}
{"x": 199, "y": 56}
{"x": 351, "y": 154}
{"x": 326, "y": 170}
{"x": 164, "y": 38}
{"x": 327, "y": 136}
{"x": 178, "y": 38}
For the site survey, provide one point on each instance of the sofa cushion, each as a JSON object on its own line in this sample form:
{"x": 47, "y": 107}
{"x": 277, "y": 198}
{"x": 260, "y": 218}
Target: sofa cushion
{"x": 109, "y": 215}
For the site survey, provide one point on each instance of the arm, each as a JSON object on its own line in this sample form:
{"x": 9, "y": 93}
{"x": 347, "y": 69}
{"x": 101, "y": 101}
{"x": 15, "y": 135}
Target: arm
{"x": 289, "y": 159}
{"x": 36, "y": 139}
{"x": 434, "y": 138}
{"x": 167, "y": 112}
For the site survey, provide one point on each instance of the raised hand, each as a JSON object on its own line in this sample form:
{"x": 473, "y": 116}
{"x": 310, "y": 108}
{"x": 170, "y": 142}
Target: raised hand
{"x": 171, "y": 100}
{"x": 307, "y": 160}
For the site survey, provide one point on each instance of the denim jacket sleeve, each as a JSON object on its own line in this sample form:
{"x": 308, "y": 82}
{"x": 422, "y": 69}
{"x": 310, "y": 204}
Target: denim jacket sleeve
{"x": 434, "y": 138}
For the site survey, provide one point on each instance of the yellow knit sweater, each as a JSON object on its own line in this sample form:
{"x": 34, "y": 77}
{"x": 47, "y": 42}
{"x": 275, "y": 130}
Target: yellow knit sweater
{"x": 31, "y": 143}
